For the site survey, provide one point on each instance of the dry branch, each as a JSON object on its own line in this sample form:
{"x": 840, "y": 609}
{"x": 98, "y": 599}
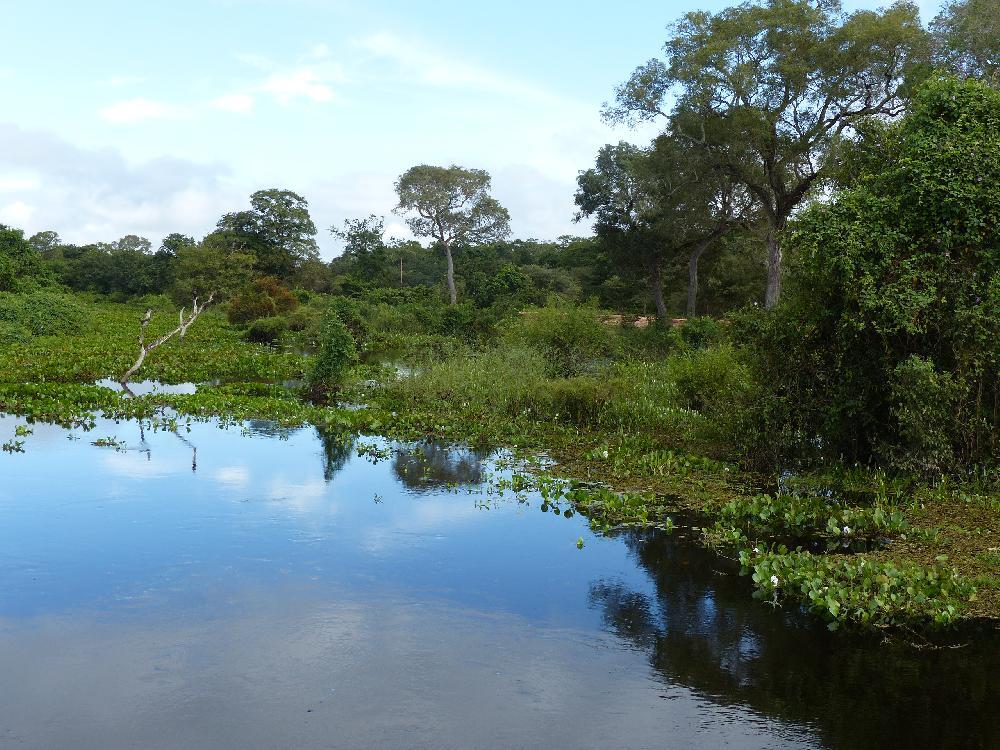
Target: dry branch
{"x": 184, "y": 323}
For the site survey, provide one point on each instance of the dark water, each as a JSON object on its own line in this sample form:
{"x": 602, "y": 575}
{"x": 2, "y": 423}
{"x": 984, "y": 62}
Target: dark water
{"x": 288, "y": 593}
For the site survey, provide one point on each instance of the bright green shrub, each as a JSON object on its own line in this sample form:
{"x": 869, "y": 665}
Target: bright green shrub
{"x": 700, "y": 333}
{"x": 336, "y": 354}
{"x": 44, "y": 313}
{"x": 12, "y": 334}
{"x": 571, "y": 338}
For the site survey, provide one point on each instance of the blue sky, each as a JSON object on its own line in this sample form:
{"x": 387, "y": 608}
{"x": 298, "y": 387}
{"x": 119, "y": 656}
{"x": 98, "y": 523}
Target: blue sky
{"x": 148, "y": 118}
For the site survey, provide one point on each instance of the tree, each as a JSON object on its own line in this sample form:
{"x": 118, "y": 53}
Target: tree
{"x": 277, "y": 231}
{"x": 45, "y": 242}
{"x": 888, "y": 344}
{"x": 769, "y": 88}
{"x": 452, "y": 205}
{"x": 214, "y": 266}
{"x": 654, "y": 205}
{"x": 21, "y": 266}
{"x": 174, "y": 241}
{"x": 365, "y": 251}
{"x": 967, "y": 39}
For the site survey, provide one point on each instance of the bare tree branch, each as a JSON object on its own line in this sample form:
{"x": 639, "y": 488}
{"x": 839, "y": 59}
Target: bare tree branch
{"x": 183, "y": 324}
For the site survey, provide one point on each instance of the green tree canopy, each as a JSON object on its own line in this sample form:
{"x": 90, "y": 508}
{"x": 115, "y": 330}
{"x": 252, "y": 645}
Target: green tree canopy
{"x": 451, "y": 205}
{"x": 21, "y": 266}
{"x": 767, "y": 88}
{"x": 653, "y": 206}
{"x": 889, "y": 341}
{"x": 277, "y": 230}
{"x": 967, "y": 38}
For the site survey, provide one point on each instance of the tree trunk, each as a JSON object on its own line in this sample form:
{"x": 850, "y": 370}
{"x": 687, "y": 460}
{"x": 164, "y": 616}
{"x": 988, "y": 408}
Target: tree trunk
{"x": 656, "y": 287}
{"x": 773, "y": 293}
{"x": 692, "y": 304}
{"x": 452, "y": 294}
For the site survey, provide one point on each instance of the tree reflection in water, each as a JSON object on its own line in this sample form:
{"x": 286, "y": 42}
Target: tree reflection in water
{"x": 702, "y": 630}
{"x": 338, "y": 448}
{"x": 429, "y": 466}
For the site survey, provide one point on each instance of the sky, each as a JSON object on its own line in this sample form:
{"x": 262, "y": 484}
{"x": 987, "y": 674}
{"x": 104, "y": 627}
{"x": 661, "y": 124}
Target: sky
{"x": 125, "y": 117}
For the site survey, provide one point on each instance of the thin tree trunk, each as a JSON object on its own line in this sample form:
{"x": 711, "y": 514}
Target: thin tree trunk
{"x": 773, "y": 293}
{"x": 656, "y": 287}
{"x": 452, "y": 294}
{"x": 692, "y": 303}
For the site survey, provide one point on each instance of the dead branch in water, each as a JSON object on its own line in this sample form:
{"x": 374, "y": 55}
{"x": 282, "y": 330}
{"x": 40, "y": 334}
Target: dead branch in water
{"x": 183, "y": 325}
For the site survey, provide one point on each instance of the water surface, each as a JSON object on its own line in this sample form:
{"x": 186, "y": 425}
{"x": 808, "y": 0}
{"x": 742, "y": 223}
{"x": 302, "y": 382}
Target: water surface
{"x": 265, "y": 588}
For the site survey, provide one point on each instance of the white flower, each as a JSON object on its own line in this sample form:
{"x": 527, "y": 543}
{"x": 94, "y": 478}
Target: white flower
{"x": 605, "y": 454}
{"x": 756, "y": 550}
{"x": 847, "y": 531}
{"x": 774, "y": 581}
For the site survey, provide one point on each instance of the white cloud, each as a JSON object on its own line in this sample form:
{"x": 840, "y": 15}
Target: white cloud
{"x": 236, "y": 477}
{"x": 239, "y": 103}
{"x": 95, "y": 194}
{"x": 430, "y": 67}
{"x": 16, "y": 213}
{"x": 305, "y": 82}
{"x": 16, "y": 183}
{"x": 138, "y": 110}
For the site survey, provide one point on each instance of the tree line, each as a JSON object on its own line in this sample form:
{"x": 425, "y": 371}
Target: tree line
{"x": 759, "y": 103}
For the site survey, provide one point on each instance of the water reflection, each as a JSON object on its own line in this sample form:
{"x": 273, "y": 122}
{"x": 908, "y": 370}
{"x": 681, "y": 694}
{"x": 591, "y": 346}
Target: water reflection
{"x": 338, "y": 449}
{"x": 429, "y": 466}
{"x": 699, "y": 629}
{"x": 290, "y": 593}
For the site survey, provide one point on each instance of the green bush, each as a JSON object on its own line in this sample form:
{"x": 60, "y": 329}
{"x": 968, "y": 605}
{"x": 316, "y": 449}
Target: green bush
{"x": 336, "y": 354}
{"x": 923, "y": 402}
{"x": 12, "y": 334}
{"x": 571, "y": 338}
{"x": 700, "y": 333}
{"x": 266, "y": 330}
{"x": 506, "y": 380}
{"x": 44, "y": 313}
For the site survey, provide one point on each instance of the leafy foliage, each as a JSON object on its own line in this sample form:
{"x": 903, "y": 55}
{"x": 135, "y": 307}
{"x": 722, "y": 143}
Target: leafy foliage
{"x": 337, "y": 353}
{"x": 890, "y": 345}
{"x": 860, "y": 591}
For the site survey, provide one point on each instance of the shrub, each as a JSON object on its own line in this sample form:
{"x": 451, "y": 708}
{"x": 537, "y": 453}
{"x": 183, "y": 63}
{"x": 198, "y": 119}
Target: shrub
{"x": 266, "y": 330}
{"x": 43, "y": 313}
{"x": 265, "y": 297}
{"x": 12, "y": 334}
{"x": 904, "y": 263}
{"x": 337, "y": 353}
{"x": 923, "y": 403}
{"x": 505, "y": 380}
{"x": 700, "y": 333}
{"x": 572, "y": 338}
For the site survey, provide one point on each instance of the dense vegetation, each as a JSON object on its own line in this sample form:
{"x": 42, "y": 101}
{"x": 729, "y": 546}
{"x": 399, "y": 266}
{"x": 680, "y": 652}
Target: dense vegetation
{"x": 840, "y": 440}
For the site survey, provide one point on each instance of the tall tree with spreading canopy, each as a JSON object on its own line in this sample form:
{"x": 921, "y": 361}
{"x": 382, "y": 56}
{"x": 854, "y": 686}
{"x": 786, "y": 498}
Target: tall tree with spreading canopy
{"x": 452, "y": 205}
{"x": 768, "y": 88}
{"x": 967, "y": 39}
{"x": 652, "y": 206}
{"x": 277, "y": 230}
